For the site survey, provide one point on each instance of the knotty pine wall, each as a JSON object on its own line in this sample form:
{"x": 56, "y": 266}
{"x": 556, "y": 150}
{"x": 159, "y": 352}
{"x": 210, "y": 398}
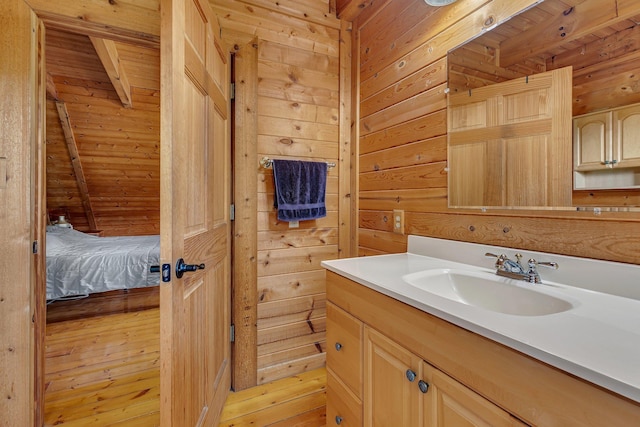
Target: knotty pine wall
{"x": 400, "y": 47}
{"x": 297, "y": 118}
{"x": 118, "y": 147}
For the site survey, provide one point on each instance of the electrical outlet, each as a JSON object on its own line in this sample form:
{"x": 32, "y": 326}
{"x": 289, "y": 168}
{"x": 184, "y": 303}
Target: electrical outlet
{"x": 398, "y": 221}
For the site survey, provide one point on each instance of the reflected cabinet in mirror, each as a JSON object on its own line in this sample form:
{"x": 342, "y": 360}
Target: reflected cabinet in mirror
{"x": 544, "y": 110}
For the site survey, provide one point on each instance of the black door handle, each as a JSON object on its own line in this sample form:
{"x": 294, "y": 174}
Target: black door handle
{"x": 182, "y": 268}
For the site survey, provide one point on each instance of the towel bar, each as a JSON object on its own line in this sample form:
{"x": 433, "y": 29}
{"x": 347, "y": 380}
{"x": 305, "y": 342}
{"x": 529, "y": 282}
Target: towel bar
{"x": 266, "y": 163}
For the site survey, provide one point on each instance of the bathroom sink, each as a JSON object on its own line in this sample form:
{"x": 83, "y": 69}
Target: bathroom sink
{"x": 488, "y": 291}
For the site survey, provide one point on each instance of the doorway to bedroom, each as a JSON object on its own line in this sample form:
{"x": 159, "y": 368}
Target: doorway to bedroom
{"x": 102, "y": 352}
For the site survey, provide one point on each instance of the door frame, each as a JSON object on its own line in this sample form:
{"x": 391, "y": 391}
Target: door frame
{"x": 244, "y": 262}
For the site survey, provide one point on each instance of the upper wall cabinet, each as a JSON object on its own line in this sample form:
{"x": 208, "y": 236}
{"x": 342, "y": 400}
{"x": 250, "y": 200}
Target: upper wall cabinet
{"x": 510, "y": 143}
{"x": 606, "y": 149}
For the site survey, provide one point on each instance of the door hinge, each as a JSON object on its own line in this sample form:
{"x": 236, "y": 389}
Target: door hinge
{"x": 232, "y": 212}
{"x": 232, "y": 333}
{"x": 34, "y": 247}
{"x": 232, "y": 95}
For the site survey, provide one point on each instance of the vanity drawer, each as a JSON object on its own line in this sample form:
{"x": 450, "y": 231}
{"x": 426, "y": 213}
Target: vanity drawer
{"x": 344, "y": 409}
{"x": 344, "y": 347}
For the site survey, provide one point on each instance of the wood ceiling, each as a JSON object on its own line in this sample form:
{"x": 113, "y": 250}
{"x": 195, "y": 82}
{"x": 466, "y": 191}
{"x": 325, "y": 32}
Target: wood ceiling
{"x": 103, "y": 133}
{"x": 596, "y": 37}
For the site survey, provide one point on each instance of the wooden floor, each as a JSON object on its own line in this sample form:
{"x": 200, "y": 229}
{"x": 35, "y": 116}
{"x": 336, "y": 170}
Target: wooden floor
{"x": 101, "y": 373}
{"x": 102, "y": 369}
{"x": 296, "y": 401}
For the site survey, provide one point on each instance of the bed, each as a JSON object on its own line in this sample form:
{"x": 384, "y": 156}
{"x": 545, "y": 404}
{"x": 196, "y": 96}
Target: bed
{"x": 80, "y": 264}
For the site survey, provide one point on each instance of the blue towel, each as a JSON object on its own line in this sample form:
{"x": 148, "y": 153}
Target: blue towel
{"x": 300, "y": 188}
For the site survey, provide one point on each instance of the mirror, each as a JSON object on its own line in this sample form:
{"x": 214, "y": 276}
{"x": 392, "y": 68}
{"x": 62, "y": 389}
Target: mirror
{"x": 599, "y": 40}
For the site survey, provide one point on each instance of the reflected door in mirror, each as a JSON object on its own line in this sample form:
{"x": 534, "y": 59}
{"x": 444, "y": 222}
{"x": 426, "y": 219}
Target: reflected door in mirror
{"x": 510, "y": 143}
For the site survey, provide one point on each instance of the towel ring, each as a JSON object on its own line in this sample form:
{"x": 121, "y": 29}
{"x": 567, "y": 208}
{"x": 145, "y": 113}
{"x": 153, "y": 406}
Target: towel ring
{"x": 266, "y": 163}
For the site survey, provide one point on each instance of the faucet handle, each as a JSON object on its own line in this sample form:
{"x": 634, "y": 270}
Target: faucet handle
{"x": 500, "y": 259}
{"x": 549, "y": 264}
{"x": 533, "y": 275}
{"x": 489, "y": 254}
{"x": 518, "y": 256}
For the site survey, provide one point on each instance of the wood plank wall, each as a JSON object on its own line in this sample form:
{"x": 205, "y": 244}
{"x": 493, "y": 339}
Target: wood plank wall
{"x": 118, "y": 147}
{"x": 402, "y": 141}
{"x": 298, "y": 118}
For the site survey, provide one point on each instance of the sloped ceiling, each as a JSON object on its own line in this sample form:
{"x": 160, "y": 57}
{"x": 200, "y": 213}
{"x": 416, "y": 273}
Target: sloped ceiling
{"x": 103, "y": 172}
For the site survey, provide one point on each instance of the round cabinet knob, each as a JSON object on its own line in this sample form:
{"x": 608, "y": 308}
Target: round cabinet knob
{"x": 423, "y": 386}
{"x": 411, "y": 376}
{"x": 338, "y": 419}
{"x": 338, "y": 346}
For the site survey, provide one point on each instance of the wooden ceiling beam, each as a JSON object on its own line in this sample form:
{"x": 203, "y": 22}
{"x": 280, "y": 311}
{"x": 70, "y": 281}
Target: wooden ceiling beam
{"x": 108, "y": 54}
{"x": 70, "y": 139}
{"x": 52, "y": 91}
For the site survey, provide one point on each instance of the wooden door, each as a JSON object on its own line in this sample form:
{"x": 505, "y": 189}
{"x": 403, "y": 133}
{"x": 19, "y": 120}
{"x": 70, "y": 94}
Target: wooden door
{"x": 391, "y": 376}
{"x": 194, "y": 203}
{"x": 510, "y": 143}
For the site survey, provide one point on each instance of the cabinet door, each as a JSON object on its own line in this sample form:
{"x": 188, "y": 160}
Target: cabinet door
{"x": 626, "y": 147}
{"x": 391, "y": 376}
{"x": 592, "y": 141}
{"x": 448, "y": 403}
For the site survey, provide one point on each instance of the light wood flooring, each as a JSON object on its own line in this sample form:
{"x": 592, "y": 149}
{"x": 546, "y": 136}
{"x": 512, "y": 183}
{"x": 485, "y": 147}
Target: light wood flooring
{"x": 99, "y": 372}
{"x": 291, "y": 402}
{"x": 102, "y": 369}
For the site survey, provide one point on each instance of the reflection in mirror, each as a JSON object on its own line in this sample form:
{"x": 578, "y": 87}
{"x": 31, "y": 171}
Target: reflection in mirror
{"x": 600, "y": 40}
{"x": 509, "y": 144}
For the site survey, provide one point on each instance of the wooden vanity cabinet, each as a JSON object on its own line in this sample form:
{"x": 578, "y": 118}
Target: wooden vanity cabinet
{"x": 472, "y": 380}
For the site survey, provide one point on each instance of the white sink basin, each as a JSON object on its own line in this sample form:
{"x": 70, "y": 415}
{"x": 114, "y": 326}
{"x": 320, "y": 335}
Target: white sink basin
{"x": 488, "y": 291}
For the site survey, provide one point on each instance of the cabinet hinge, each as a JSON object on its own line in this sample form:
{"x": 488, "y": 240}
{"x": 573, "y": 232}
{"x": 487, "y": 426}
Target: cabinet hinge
{"x": 232, "y": 94}
{"x": 232, "y": 212}
{"x": 232, "y": 333}
{"x": 34, "y": 247}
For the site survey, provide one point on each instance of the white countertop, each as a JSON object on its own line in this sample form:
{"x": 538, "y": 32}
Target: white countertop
{"x": 597, "y": 340}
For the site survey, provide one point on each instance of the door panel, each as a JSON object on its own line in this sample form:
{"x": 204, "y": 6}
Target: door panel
{"x": 195, "y": 186}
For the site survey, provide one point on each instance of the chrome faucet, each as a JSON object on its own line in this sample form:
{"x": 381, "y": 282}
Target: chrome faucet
{"x": 514, "y": 269}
